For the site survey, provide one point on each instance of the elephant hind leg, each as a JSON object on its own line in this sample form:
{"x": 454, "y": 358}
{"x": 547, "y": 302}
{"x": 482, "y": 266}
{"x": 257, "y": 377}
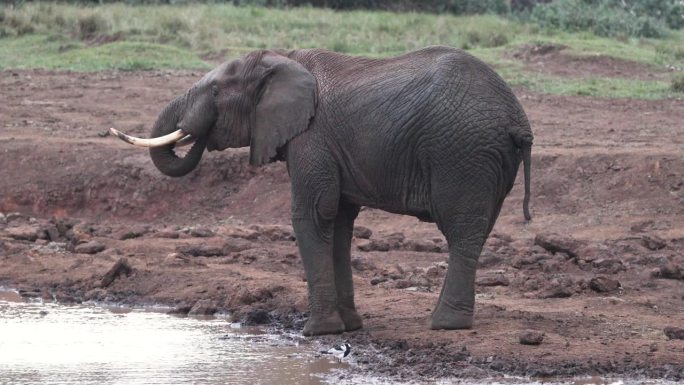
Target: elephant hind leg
{"x": 466, "y": 236}
{"x": 344, "y": 228}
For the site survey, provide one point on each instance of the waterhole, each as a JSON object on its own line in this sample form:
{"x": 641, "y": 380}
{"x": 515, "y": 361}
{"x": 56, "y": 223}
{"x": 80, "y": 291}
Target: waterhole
{"x": 42, "y": 343}
{"x": 46, "y": 343}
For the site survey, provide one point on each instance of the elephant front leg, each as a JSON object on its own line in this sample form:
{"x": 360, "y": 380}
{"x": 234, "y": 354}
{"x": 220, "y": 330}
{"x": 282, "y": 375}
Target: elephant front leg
{"x": 316, "y": 248}
{"x": 457, "y": 299}
{"x": 344, "y": 228}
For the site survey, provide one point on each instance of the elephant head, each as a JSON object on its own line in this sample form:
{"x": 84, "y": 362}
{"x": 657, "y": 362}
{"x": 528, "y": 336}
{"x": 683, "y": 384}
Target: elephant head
{"x": 261, "y": 100}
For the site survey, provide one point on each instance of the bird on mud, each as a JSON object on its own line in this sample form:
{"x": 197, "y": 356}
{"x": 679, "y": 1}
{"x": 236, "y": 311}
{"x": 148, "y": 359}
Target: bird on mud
{"x": 339, "y": 351}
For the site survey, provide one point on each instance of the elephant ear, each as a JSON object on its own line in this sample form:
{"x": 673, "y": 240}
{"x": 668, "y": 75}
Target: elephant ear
{"x": 285, "y": 108}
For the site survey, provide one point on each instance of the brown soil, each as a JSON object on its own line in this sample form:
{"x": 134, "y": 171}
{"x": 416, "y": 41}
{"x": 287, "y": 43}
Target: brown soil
{"x": 608, "y": 205}
{"x": 554, "y": 60}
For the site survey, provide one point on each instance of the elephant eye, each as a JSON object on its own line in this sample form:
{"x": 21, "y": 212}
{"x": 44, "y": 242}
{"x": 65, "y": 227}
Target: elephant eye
{"x": 214, "y": 90}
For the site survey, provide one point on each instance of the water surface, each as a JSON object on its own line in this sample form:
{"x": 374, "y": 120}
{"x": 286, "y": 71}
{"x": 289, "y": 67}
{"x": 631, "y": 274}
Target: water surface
{"x": 44, "y": 343}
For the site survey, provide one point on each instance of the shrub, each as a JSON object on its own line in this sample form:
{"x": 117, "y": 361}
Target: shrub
{"x": 90, "y": 25}
{"x": 612, "y": 18}
{"x": 678, "y": 83}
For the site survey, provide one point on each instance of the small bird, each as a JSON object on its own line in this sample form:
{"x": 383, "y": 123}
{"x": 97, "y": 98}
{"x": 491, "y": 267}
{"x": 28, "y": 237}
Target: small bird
{"x": 339, "y": 351}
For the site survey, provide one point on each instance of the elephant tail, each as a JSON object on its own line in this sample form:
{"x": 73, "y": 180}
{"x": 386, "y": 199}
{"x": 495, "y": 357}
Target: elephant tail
{"x": 527, "y": 159}
{"x": 523, "y": 140}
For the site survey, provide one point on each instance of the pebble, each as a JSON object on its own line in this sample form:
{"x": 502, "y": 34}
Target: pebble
{"x": 674, "y": 333}
{"x": 362, "y": 232}
{"x": 603, "y": 284}
{"x": 92, "y": 247}
{"x": 203, "y": 307}
{"x": 23, "y": 233}
{"x": 531, "y": 337}
{"x": 120, "y": 267}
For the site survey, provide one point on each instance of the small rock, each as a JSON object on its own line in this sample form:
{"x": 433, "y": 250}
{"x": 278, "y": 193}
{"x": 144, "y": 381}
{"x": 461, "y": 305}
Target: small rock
{"x": 201, "y": 250}
{"x": 23, "y": 233}
{"x": 10, "y": 217}
{"x": 132, "y": 233}
{"x": 361, "y": 263}
{"x": 374, "y": 245}
{"x": 488, "y": 259}
{"x": 559, "y": 287}
{"x": 528, "y": 260}
{"x": 234, "y": 245}
{"x": 435, "y": 271}
{"x": 52, "y": 233}
{"x": 97, "y": 294}
{"x": 669, "y": 271}
{"x": 362, "y": 232}
{"x": 120, "y": 267}
{"x": 275, "y": 232}
{"x": 402, "y": 284}
{"x": 603, "y": 284}
{"x": 531, "y": 337}
{"x": 425, "y": 246}
{"x": 167, "y": 234}
{"x": 201, "y": 232}
{"x": 378, "y": 280}
{"x": 174, "y": 259}
{"x": 653, "y": 242}
{"x": 496, "y": 280}
{"x": 180, "y": 309}
{"x": 240, "y": 232}
{"x": 203, "y": 307}
{"x": 257, "y": 317}
{"x": 606, "y": 265}
{"x": 92, "y": 247}
{"x": 674, "y": 333}
{"x": 111, "y": 253}
{"x": 555, "y": 243}
{"x": 395, "y": 240}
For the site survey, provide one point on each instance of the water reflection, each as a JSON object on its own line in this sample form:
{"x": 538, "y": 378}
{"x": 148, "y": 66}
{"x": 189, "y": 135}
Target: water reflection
{"x": 90, "y": 345}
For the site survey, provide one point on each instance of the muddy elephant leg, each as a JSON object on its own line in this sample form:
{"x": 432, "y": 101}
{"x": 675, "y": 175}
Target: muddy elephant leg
{"x": 344, "y": 228}
{"x": 466, "y": 235}
{"x": 315, "y": 239}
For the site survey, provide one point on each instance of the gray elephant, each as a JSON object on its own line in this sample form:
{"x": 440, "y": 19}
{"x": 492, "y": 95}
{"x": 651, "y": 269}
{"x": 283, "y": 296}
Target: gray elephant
{"x": 434, "y": 133}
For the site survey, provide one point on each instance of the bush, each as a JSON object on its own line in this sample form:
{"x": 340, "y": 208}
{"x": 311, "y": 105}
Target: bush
{"x": 612, "y": 18}
{"x": 91, "y": 25}
{"x": 678, "y": 83}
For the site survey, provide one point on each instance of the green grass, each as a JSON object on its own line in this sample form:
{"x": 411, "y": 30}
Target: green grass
{"x": 58, "y": 36}
{"x": 38, "y": 51}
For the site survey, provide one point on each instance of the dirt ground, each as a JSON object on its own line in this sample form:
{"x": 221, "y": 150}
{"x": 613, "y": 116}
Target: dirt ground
{"x": 598, "y": 272}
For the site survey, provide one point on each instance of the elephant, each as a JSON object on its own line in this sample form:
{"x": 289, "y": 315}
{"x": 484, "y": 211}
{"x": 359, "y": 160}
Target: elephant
{"x": 434, "y": 133}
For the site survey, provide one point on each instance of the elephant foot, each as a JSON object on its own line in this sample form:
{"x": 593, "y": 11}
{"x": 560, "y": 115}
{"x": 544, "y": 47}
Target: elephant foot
{"x": 318, "y": 325}
{"x": 450, "y": 319}
{"x": 352, "y": 319}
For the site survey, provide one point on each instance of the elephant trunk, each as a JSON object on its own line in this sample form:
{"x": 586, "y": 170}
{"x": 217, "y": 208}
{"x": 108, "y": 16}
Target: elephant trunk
{"x": 164, "y": 157}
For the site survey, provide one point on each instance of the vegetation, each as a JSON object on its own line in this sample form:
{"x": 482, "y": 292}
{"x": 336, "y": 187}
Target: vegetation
{"x": 616, "y": 18}
{"x": 678, "y": 83}
{"x": 120, "y": 36}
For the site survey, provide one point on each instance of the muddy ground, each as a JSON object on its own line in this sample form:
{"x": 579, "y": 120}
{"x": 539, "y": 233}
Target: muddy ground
{"x": 598, "y": 272}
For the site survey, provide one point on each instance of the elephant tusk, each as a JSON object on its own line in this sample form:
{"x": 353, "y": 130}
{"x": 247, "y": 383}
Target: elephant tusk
{"x": 186, "y": 140}
{"x": 153, "y": 142}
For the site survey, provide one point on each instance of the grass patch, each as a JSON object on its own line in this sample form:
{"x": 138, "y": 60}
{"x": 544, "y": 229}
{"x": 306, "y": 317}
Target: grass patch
{"x": 38, "y": 51}
{"x": 678, "y": 83}
{"x": 215, "y": 27}
{"x": 598, "y": 87}
{"x": 59, "y": 36}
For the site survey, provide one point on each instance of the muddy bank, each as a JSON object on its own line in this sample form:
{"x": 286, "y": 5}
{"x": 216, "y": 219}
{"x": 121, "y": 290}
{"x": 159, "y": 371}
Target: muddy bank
{"x": 592, "y": 308}
{"x": 593, "y": 285}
